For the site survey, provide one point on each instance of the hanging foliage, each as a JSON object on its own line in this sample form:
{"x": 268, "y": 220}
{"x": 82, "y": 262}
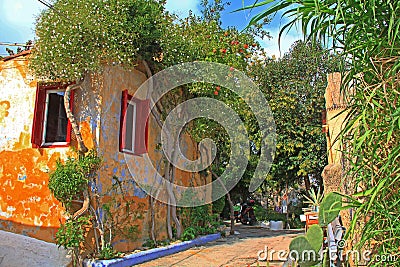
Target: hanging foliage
{"x": 75, "y": 37}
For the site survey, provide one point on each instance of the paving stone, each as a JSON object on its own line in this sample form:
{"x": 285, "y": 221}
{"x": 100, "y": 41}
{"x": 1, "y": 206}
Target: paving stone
{"x": 22, "y": 251}
{"x": 233, "y": 251}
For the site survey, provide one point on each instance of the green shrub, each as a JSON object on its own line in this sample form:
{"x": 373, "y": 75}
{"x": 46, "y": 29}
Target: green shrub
{"x": 260, "y": 213}
{"x": 276, "y": 216}
{"x": 190, "y": 233}
{"x": 199, "y": 221}
{"x": 108, "y": 252}
{"x": 72, "y": 233}
{"x": 70, "y": 178}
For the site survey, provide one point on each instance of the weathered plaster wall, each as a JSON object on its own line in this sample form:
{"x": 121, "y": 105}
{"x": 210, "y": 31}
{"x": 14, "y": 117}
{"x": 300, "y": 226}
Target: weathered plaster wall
{"x": 333, "y": 173}
{"x": 108, "y": 87}
{"x": 26, "y": 204}
{"x": 335, "y": 105}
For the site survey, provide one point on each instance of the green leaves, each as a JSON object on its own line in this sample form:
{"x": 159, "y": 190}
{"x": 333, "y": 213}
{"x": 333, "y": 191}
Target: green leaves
{"x": 72, "y": 233}
{"x": 329, "y": 208}
{"x": 306, "y": 249}
{"x": 70, "y": 178}
{"x": 199, "y": 221}
{"x": 315, "y": 199}
{"x": 75, "y": 37}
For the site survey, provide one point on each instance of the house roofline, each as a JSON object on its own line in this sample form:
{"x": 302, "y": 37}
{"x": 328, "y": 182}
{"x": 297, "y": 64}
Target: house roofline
{"x": 23, "y": 53}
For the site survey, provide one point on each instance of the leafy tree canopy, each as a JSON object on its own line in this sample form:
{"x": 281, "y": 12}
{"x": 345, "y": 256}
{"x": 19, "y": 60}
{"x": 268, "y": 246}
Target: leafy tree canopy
{"x": 295, "y": 86}
{"x": 75, "y": 37}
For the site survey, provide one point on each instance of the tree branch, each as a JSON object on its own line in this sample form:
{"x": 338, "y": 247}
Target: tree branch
{"x": 232, "y": 212}
{"x": 81, "y": 145}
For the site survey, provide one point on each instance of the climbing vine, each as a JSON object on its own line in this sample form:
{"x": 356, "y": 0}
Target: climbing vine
{"x": 67, "y": 182}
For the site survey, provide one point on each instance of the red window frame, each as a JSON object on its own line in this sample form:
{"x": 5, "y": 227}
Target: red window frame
{"x": 141, "y": 124}
{"x": 39, "y": 113}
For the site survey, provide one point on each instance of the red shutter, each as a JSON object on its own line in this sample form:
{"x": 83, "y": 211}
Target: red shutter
{"x": 69, "y": 127}
{"x": 124, "y": 105}
{"x": 38, "y": 117}
{"x": 141, "y": 127}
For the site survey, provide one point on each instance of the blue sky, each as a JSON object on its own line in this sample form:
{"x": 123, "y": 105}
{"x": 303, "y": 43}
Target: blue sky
{"x": 17, "y": 19}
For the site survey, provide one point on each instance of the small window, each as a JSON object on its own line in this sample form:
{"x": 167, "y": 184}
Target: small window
{"x": 51, "y": 126}
{"x": 134, "y": 128}
{"x": 55, "y": 121}
{"x": 129, "y": 129}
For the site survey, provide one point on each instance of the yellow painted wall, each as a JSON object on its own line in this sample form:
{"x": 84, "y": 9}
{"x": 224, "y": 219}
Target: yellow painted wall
{"x": 26, "y": 204}
{"x": 108, "y": 87}
{"x": 335, "y": 117}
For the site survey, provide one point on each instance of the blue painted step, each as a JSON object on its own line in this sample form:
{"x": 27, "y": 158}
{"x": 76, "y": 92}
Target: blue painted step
{"x": 151, "y": 254}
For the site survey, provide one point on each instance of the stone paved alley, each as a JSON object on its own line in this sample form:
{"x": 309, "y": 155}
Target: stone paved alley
{"x": 233, "y": 251}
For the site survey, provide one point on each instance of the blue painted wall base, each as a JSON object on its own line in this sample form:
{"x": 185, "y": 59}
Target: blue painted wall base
{"x": 151, "y": 254}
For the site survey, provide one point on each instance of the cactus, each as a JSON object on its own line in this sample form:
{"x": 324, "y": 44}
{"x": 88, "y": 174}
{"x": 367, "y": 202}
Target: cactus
{"x": 301, "y": 246}
{"x": 315, "y": 237}
{"x": 305, "y": 249}
{"x": 329, "y": 208}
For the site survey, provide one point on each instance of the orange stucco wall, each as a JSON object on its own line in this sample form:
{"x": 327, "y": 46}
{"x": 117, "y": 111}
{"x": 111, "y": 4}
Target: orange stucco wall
{"x": 26, "y": 204}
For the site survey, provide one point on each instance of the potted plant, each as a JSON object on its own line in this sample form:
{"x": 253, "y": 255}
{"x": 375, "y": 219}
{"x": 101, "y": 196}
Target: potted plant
{"x": 276, "y": 220}
{"x": 314, "y": 199}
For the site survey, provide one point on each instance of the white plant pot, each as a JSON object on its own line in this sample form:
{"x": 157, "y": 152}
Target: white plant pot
{"x": 276, "y": 225}
{"x": 264, "y": 224}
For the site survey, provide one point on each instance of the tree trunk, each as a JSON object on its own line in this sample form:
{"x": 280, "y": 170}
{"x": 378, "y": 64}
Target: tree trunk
{"x": 171, "y": 209}
{"x": 172, "y": 205}
{"x": 287, "y": 205}
{"x": 152, "y": 219}
{"x": 82, "y": 149}
{"x": 67, "y": 96}
{"x": 152, "y": 200}
{"x": 307, "y": 183}
{"x": 85, "y": 205}
{"x": 232, "y": 231}
{"x": 169, "y": 226}
{"x": 232, "y": 212}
